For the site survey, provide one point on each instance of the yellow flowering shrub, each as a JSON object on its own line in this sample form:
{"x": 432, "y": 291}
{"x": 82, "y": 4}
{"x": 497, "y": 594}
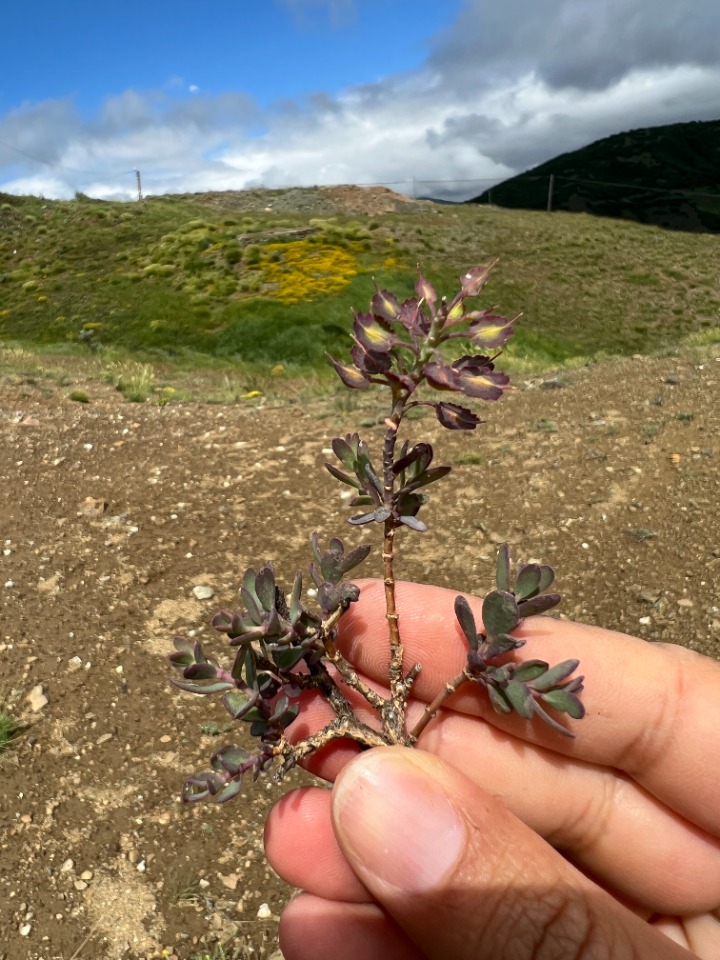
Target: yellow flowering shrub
{"x": 305, "y": 270}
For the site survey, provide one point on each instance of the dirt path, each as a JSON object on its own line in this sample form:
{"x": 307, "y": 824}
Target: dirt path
{"x": 610, "y": 474}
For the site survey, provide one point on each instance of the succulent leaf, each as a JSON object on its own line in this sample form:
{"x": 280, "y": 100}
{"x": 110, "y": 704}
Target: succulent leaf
{"x": 520, "y": 698}
{"x": 231, "y": 789}
{"x": 527, "y": 581}
{"x": 350, "y": 375}
{"x": 502, "y": 569}
{"x": 467, "y": 622}
{"x": 413, "y": 523}
{"x": 565, "y": 702}
{"x": 500, "y": 613}
{"x": 541, "y": 604}
{"x": 555, "y": 675}
{"x": 454, "y": 417}
{"x": 265, "y": 587}
{"x": 530, "y": 670}
{"x": 385, "y": 305}
{"x": 425, "y": 290}
{"x": 373, "y": 334}
{"x": 474, "y": 280}
{"x": 491, "y": 332}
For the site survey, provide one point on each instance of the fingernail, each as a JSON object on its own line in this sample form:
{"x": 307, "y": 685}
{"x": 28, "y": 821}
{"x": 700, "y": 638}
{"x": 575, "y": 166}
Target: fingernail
{"x": 396, "y": 821}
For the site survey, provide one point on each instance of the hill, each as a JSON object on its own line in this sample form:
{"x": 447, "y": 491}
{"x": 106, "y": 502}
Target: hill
{"x": 271, "y": 276}
{"x": 666, "y": 176}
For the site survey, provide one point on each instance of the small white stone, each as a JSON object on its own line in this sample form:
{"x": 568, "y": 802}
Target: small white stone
{"x": 67, "y": 866}
{"x": 141, "y": 867}
{"x": 264, "y": 912}
{"x": 25, "y": 930}
{"x": 202, "y": 592}
{"x": 36, "y": 698}
{"x": 644, "y": 621}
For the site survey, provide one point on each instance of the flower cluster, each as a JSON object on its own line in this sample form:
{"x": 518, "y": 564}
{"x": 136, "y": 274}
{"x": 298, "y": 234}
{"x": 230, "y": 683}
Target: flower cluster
{"x": 399, "y": 345}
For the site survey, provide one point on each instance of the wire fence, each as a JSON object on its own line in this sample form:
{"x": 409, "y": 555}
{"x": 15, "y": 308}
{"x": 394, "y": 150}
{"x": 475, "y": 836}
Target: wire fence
{"x": 538, "y": 188}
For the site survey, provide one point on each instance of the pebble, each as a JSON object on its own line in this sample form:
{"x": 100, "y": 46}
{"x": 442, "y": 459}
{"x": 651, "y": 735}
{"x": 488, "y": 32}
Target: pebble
{"x": 202, "y": 592}
{"x": 25, "y": 930}
{"x": 264, "y": 912}
{"x": 37, "y": 699}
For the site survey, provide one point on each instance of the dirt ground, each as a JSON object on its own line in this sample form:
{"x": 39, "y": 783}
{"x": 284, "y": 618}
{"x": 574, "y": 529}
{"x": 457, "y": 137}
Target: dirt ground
{"x": 610, "y": 473}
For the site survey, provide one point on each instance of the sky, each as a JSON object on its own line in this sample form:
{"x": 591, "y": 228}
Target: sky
{"x": 430, "y": 97}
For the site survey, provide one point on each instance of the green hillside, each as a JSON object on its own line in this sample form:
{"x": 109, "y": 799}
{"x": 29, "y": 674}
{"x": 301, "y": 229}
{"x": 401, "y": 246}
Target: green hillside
{"x": 666, "y": 176}
{"x": 270, "y": 277}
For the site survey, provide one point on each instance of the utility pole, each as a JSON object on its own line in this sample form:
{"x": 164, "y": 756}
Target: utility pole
{"x": 551, "y": 186}
{"x": 139, "y": 184}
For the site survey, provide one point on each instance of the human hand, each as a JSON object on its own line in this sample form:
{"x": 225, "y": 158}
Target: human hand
{"x": 499, "y": 838}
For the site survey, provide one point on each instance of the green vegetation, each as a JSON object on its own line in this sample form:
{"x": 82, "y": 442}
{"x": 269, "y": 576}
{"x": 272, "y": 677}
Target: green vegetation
{"x": 665, "y": 176}
{"x": 179, "y": 283}
{"x": 8, "y": 728}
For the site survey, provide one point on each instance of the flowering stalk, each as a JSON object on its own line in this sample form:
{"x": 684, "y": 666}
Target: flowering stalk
{"x": 285, "y": 648}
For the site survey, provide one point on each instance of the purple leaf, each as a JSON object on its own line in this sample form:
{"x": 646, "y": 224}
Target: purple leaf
{"x": 200, "y": 671}
{"x": 401, "y": 379}
{"x": 485, "y": 386}
{"x": 441, "y": 376}
{"x": 373, "y": 334}
{"x": 343, "y": 477}
{"x": 421, "y": 455}
{"x": 455, "y": 417}
{"x": 474, "y": 280}
{"x": 491, "y": 332}
{"x": 385, "y": 304}
{"x": 370, "y": 362}
{"x": 467, "y": 621}
{"x": 350, "y": 375}
{"x": 546, "y": 601}
{"x": 425, "y": 290}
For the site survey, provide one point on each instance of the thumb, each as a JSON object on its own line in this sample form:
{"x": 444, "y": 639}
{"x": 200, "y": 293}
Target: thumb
{"x": 463, "y": 877}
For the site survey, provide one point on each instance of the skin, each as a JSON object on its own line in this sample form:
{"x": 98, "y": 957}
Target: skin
{"x": 499, "y": 838}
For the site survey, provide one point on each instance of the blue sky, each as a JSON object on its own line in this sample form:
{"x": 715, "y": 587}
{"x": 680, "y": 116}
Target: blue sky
{"x": 241, "y": 93}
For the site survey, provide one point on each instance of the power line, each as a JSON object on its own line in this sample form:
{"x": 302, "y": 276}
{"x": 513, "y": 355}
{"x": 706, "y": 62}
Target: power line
{"x": 667, "y": 191}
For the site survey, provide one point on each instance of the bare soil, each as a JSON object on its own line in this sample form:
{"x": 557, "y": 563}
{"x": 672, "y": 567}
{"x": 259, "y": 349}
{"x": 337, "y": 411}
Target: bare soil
{"x": 609, "y": 473}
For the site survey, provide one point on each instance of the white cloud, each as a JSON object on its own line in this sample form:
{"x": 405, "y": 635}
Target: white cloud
{"x": 504, "y": 88}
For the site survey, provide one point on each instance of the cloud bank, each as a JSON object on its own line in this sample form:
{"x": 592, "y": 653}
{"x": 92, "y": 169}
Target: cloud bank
{"x": 503, "y": 88}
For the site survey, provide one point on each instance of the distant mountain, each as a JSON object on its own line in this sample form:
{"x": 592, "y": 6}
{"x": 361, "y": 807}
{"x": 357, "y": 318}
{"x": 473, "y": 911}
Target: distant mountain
{"x": 668, "y": 176}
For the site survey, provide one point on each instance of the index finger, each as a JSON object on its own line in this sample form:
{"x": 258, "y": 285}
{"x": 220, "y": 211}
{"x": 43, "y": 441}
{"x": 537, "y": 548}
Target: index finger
{"x": 653, "y": 710}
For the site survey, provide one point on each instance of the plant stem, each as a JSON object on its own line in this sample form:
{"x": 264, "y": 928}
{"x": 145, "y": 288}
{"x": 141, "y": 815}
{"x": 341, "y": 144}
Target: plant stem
{"x": 431, "y": 709}
{"x": 393, "y": 710}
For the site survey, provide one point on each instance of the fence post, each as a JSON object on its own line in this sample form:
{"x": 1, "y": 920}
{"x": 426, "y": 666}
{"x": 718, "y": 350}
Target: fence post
{"x": 551, "y": 185}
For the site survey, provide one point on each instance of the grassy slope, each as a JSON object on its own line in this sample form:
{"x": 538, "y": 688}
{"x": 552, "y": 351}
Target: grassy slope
{"x": 652, "y": 175}
{"x": 172, "y": 277}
